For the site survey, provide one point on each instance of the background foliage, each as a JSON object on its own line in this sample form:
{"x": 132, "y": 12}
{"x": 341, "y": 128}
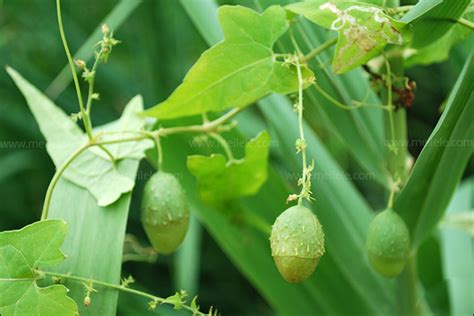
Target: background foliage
{"x": 161, "y": 40}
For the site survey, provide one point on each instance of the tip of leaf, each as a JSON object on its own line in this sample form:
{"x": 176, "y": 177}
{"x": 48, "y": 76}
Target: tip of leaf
{"x": 10, "y": 70}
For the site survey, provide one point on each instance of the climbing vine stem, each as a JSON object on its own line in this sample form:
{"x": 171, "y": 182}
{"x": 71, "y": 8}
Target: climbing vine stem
{"x": 305, "y": 180}
{"x": 87, "y": 127}
{"x": 85, "y": 112}
{"x": 154, "y": 300}
{"x": 207, "y": 127}
{"x": 56, "y": 177}
{"x": 318, "y": 50}
{"x": 225, "y": 145}
{"x": 390, "y": 105}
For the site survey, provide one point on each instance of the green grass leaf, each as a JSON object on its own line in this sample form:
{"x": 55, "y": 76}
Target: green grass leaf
{"x": 95, "y": 241}
{"x": 439, "y": 50}
{"x": 220, "y": 180}
{"x": 21, "y": 252}
{"x": 420, "y": 9}
{"x": 364, "y": 30}
{"x": 437, "y": 22}
{"x": 238, "y": 71}
{"x": 458, "y": 254}
{"x": 441, "y": 164}
{"x": 90, "y": 170}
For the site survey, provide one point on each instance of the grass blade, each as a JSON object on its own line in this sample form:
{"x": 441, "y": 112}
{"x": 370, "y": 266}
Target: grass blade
{"x": 458, "y": 254}
{"x": 441, "y": 164}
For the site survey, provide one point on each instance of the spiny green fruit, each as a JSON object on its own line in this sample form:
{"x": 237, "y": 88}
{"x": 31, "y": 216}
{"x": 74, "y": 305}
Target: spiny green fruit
{"x": 297, "y": 242}
{"x": 165, "y": 212}
{"x": 388, "y": 243}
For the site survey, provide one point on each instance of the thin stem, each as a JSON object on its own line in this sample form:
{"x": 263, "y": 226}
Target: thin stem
{"x": 73, "y": 71}
{"x": 56, "y": 177}
{"x": 391, "y": 197}
{"x": 301, "y": 131}
{"x": 357, "y": 105}
{"x": 204, "y": 128}
{"x": 154, "y": 298}
{"x": 318, "y": 50}
{"x": 159, "y": 151}
{"x": 85, "y": 112}
{"x": 225, "y": 145}
{"x": 466, "y": 23}
{"x": 295, "y": 43}
{"x": 91, "y": 84}
{"x": 390, "y": 99}
{"x": 401, "y": 9}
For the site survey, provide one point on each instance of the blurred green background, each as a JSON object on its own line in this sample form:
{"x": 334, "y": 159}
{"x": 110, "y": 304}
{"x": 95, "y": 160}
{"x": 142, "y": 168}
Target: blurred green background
{"x": 159, "y": 44}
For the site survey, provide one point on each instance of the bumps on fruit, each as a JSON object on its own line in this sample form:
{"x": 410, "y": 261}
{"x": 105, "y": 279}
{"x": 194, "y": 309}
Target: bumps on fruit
{"x": 164, "y": 212}
{"x": 297, "y": 243}
{"x": 388, "y": 243}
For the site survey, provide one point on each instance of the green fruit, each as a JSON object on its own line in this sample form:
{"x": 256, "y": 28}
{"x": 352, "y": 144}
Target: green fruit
{"x": 388, "y": 243}
{"x": 165, "y": 212}
{"x": 297, "y": 242}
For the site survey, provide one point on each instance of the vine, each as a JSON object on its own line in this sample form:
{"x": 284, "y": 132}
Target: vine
{"x": 177, "y": 301}
{"x": 216, "y": 85}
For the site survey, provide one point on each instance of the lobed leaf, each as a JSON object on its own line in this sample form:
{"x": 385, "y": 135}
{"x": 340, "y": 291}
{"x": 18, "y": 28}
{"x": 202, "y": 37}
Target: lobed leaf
{"x": 239, "y": 70}
{"x": 364, "y": 29}
{"x": 39, "y": 243}
{"x": 91, "y": 170}
{"x": 219, "y": 180}
{"x": 21, "y": 252}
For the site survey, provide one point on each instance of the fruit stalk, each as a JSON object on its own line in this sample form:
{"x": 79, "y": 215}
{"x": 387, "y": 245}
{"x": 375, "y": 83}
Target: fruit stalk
{"x": 301, "y": 142}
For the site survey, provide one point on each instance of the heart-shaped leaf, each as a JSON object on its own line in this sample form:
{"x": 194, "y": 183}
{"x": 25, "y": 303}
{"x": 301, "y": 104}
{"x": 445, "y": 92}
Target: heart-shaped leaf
{"x": 220, "y": 180}
{"x": 21, "y": 252}
{"x": 238, "y": 71}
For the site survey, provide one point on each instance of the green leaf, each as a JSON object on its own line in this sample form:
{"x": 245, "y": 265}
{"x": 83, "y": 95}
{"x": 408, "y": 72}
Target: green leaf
{"x": 419, "y": 10}
{"x": 360, "y": 132}
{"x": 220, "y": 180}
{"x": 437, "y": 22}
{"x": 176, "y": 300}
{"x": 91, "y": 170}
{"x": 39, "y": 243}
{"x": 441, "y": 164}
{"x": 62, "y": 134}
{"x": 21, "y": 252}
{"x": 364, "y": 30}
{"x": 88, "y": 255}
{"x": 104, "y": 181}
{"x": 458, "y": 254}
{"x": 238, "y": 71}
